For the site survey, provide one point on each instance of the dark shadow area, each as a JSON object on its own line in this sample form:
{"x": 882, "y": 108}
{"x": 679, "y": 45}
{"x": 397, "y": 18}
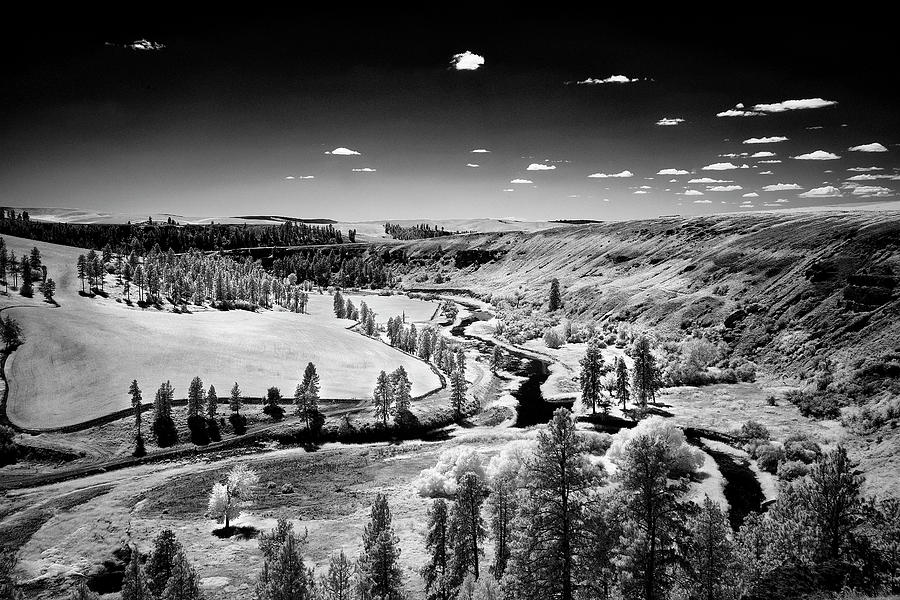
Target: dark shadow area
{"x": 246, "y": 532}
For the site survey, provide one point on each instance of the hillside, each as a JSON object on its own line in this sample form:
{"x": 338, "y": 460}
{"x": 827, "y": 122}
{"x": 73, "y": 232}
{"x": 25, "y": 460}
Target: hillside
{"x": 785, "y": 289}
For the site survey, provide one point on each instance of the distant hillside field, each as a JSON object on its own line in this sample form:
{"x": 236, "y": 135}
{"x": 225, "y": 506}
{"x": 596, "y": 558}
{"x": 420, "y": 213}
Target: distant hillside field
{"x": 78, "y": 359}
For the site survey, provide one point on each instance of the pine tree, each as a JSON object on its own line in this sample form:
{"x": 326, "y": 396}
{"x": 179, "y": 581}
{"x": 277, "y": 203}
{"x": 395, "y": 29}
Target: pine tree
{"x": 401, "y": 386}
{"x": 340, "y": 307}
{"x": 11, "y": 332}
{"x": 591, "y": 372}
{"x": 501, "y": 504}
{"x": 48, "y": 289}
{"x": 163, "y": 426}
{"x": 496, "y": 359}
{"x": 467, "y": 528}
{"x": 212, "y": 408}
{"x": 13, "y": 268}
{"x": 384, "y": 396}
{"x": 622, "y": 385}
{"x": 183, "y": 583}
{"x": 645, "y": 375}
{"x": 35, "y": 259}
{"x": 195, "y": 397}
{"x": 436, "y": 571}
{"x": 136, "y": 400}
{"x": 457, "y": 394}
{"x": 555, "y": 302}
{"x": 196, "y": 422}
{"x": 710, "y": 554}
{"x": 306, "y": 396}
{"x": 284, "y": 576}
{"x": 136, "y": 584}
{"x": 162, "y": 561}
{"x": 831, "y": 495}
{"x": 234, "y": 401}
{"x": 337, "y": 583}
{"x": 379, "y": 569}
{"x": 82, "y": 270}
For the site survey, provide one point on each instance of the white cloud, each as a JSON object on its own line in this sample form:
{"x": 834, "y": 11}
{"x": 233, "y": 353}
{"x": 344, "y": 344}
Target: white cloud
{"x": 781, "y": 187}
{"x": 301, "y": 177}
{"x": 873, "y": 147}
{"x": 723, "y": 166}
{"x": 864, "y": 169}
{"x": 466, "y": 61}
{"x": 364, "y": 170}
{"x": 670, "y": 121}
{"x": 341, "y": 151}
{"x": 817, "y": 155}
{"x": 290, "y": 177}
{"x": 782, "y": 201}
{"x": 693, "y": 193}
{"x": 673, "y": 172}
{"x": 472, "y": 165}
{"x": 521, "y": 181}
{"x": 625, "y": 173}
{"x": 828, "y": 191}
{"x": 143, "y": 45}
{"x": 709, "y": 180}
{"x": 640, "y": 192}
{"x": 539, "y": 167}
{"x": 786, "y": 105}
{"x": 762, "y": 154}
{"x": 734, "y": 154}
{"x": 702, "y": 201}
{"x": 750, "y": 195}
{"x": 769, "y": 162}
{"x": 872, "y": 191}
{"x": 509, "y": 190}
{"x": 766, "y": 173}
{"x": 610, "y": 79}
{"x": 480, "y": 151}
{"x": 738, "y": 111}
{"x": 724, "y": 188}
{"x": 766, "y": 140}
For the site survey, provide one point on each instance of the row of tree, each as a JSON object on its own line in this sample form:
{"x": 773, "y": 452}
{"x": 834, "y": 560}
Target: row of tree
{"x": 596, "y": 377}
{"x": 419, "y": 231}
{"x": 336, "y": 267}
{"x": 31, "y": 269}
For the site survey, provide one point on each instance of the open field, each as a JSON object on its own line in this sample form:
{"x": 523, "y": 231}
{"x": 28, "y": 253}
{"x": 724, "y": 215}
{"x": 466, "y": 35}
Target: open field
{"x": 79, "y": 358}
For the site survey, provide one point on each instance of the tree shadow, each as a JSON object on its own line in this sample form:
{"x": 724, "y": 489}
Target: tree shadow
{"x": 245, "y": 532}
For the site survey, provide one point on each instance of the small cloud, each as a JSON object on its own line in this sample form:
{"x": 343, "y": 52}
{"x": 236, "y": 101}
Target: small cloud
{"x": 781, "y": 187}
{"x": 300, "y": 177}
{"x": 872, "y": 191}
{"x": 766, "y": 173}
{"x": 472, "y": 165}
{"x": 828, "y": 191}
{"x": 144, "y": 45}
{"x": 702, "y": 201}
{"x": 539, "y": 167}
{"x": 873, "y": 147}
{"x": 480, "y": 151}
{"x": 738, "y": 111}
{"x": 709, "y": 180}
{"x": 782, "y": 201}
{"x": 466, "y": 61}
{"x": 521, "y": 181}
{"x": 673, "y": 172}
{"x": 723, "y": 166}
{"x": 766, "y": 140}
{"x": 610, "y": 79}
{"x": 341, "y": 151}
{"x": 762, "y": 154}
{"x": 693, "y": 193}
{"x": 750, "y": 195}
{"x": 734, "y": 154}
{"x": 864, "y": 169}
{"x": 625, "y": 173}
{"x": 724, "y": 188}
{"x": 788, "y": 105}
{"x": 769, "y": 162}
{"x": 817, "y": 155}
{"x": 640, "y": 192}
{"x": 364, "y": 170}
{"x": 290, "y": 177}
{"x": 509, "y": 190}
{"x": 670, "y": 121}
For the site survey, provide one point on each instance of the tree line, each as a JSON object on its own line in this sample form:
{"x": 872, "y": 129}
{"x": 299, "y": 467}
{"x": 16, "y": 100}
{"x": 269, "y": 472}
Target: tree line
{"x": 334, "y": 267}
{"x": 419, "y": 231}
{"x": 31, "y": 270}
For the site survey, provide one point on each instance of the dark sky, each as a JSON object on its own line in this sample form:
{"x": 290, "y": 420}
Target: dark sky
{"x": 213, "y": 123}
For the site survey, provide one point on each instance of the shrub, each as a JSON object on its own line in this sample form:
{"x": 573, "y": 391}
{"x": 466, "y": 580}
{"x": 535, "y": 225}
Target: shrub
{"x": 212, "y": 427}
{"x": 683, "y": 459}
{"x": 238, "y": 423}
{"x": 197, "y": 426}
{"x": 8, "y": 450}
{"x": 769, "y": 456}
{"x": 165, "y": 432}
{"x": 596, "y": 442}
{"x": 751, "y": 430}
{"x": 441, "y": 480}
{"x": 816, "y": 405}
{"x": 553, "y": 338}
{"x": 800, "y": 448}
{"x": 746, "y": 371}
{"x": 792, "y": 469}
{"x": 274, "y": 411}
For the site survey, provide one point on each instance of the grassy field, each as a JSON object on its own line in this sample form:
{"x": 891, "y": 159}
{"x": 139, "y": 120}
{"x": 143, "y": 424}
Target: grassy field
{"x": 78, "y": 359}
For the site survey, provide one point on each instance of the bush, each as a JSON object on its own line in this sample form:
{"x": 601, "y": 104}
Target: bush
{"x": 816, "y": 405}
{"x": 751, "y": 430}
{"x": 553, "y": 338}
{"x": 768, "y": 457}
{"x": 274, "y": 411}
{"x": 800, "y": 448}
{"x": 287, "y": 488}
{"x": 165, "y": 432}
{"x": 8, "y": 449}
{"x": 441, "y": 480}
{"x": 238, "y": 423}
{"x": 212, "y": 427}
{"x": 596, "y": 442}
{"x": 792, "y": 469}
{"x": 197, "y": 426}
{"x": 746, "y": 372}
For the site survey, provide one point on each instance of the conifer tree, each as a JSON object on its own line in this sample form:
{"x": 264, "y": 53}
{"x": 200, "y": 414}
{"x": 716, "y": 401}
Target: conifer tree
{"x": 83, "y": 592}
{"x": 401, "y": 386}
{"x": 496, "y": 359}
{"x": 467, "y": 530}
{"x": 212, "y": 409}
{"x": 622, "y": 384}
{"x": 163, "y": 426}
{"x": 340, "y": 307}
{"x": 136, "y": 400}
{"x": 645, "y": 375}
{"x": 161, "y": 563}
{"x": 284, "y": 576}
{"x": 183, "y": 583}
{"x": 457, "y": 394}
{"x": 555, "y": 302}
{"x": 710, "y": 554}
{"x": 82, "y": 270}
{"x": 591, "y": 372}
{"x": 196, "y": 422}
{"x": 306, "y": 396}
{"x": 337, "y": 582}
{"x": 384, "y": 396}
{"x": 235, "y": 401}
{"x": 136, "y": 584}
{"x": 379, "y": 571}
{"x": 436, "y": 571}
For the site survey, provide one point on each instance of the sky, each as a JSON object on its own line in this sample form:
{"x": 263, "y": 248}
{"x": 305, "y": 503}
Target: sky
{"x": 459, "y": 112}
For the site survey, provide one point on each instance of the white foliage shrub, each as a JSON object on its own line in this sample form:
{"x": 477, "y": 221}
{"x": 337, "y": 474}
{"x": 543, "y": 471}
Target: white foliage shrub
{"x": 683, "y": 459}
{"x": 441, "y": 479}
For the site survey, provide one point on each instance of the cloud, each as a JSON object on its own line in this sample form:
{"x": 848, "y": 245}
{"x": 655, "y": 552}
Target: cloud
{"x": 539, "y": 167}
{"x": 144, "y": 45}
{"x": 817, "y": 155}
{"x": 738, "y": 111}
{"x": 769, "y": 162}
{"x": 521, "y": 181}
{"x": 766, "y": 140}
{"x": 508, "y": 190}
{"x": 872, "y": 191}
{"x": 787, "y": 105}
{"x": 828, "y": 191}
{"x": 864, "y": 169}
{"x": 466, "y": 61}
{"x": 762, "y": 154}
{"x": 781, "y": 187}
{"x": 341, "y": 151}
{"x": 364, "y": 170}
{"x": 734, "y": 154}
{"x": 640, "y": 192}
{"x": 782, "y": 201}
{"x": 723, "y": 166}
{"x": 693, "y": 193}
{"x": 873, "y": 147}
{"x": 766, "y": 173}
{"x": 702, "y": 201}
{"x": 301, "y": 177}
{"x": 480, "y": 151}
{"x": 625, "y": 173}
{"x": 472, "y": 165}
{"x": 673, "y": 172}
{"x": 750, "y": 195}
{"x": 709, "y": 180}
{"x": 670, "y": 121}
{"x": 610, "y": 79}
{"x": 724, "y": 188}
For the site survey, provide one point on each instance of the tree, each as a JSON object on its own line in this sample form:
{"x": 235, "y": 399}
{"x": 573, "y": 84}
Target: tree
{"x": 228, "y": 496}
{"x": 272, "y": 408}
{"x": 496, "y": 359}
{"x": 163, "y": 426}
{"x": 234, "y": 401}
{"x": 306, "y": 396}
{"x": 136, "y": 400}
{"x": 401, "y": 386}
{"x": 136, "y": 584}
{"x": 501, "y": 505}
{"x": 467, "y": 529}
{"x": 8, "y": 588}
{"x": 710, "y": 554}
{"x": 622, "y": 385}
{"x": 48, "y": 289}
{"x": 83, "y": 592}
{"x": 13, "y": 268}
{"x": 196, "y": 422}
{"x": 284, "y": 576}
{"x": 11, "y": 333}
{"x": 183, "y": 583}
{"x": 27, "y": 288}
{"x": 645, "y": 375}
{"x": 457, "y": 393}
{"x": 831, "y": 495}
{"x": 547, "y": 554}
{"x": 384, "y": 396}
{"x": 212, "y": 408}
{"x": 436, "y": 571}
{"x": 591, "y": 372}
{"x": 162, "y": 561}
{"x": 8, "y": 450}
{"x": 340, "y": 306}
{"x": 380, "y": 574}
{"x": 34, "y": 260}
{"x": 237, "y": 420}
{"x": 336, "y": 584}
{"x": 555, "y": 302}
